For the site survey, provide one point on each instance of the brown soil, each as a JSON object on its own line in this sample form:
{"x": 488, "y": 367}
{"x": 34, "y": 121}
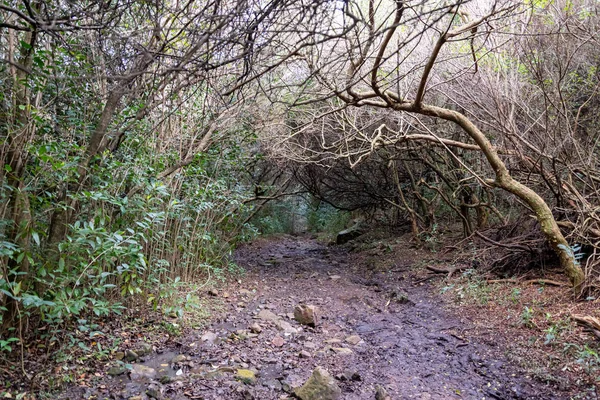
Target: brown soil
{"x": 413, "y": 343}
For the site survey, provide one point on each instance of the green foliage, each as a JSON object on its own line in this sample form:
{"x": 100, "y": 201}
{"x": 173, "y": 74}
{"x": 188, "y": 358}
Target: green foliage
{"x": 585, "y": 355}
{"x": 557, "y": 329}
{"x": 527, "y": 317}
{"x": 132, "y": 238}
{"x": 278, "y": 217}
{"x": 322, "y": 217}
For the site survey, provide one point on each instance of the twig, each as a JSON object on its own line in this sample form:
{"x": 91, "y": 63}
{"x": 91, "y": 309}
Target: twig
{"x": 507, "y": 246}
{"x": 530, "y": 281}
{"x": 449, "y": 272}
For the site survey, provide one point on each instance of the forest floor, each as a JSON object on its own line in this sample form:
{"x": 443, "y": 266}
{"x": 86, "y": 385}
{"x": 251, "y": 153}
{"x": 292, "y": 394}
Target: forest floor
{"x": 382, "y": 322}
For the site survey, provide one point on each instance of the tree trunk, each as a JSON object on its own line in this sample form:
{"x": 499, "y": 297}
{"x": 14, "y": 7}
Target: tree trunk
{"x": 505, "y": 181}
{"x": 18, "y": 208}
{"x": 62, "y": 216}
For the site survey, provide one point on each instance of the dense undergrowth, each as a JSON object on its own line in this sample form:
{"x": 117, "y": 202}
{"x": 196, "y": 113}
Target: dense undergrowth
{"x": 142, "y": 141}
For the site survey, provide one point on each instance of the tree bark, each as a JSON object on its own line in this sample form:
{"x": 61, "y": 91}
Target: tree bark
{"x": 18, "y": 208}
{"x": 504, "y": 180}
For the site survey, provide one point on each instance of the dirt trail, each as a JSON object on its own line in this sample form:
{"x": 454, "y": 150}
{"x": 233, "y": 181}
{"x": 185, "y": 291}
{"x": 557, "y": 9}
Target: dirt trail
{"x": 409, "y": 343}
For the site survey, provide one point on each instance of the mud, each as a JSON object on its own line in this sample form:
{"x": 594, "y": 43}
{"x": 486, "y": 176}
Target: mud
{"x": 409, "y": 343}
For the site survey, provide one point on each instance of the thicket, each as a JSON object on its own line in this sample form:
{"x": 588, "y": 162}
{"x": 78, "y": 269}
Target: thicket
{"x": 484, "y": 114}
{"x": 126, "y": 167}
{"x": 141, "y": 139}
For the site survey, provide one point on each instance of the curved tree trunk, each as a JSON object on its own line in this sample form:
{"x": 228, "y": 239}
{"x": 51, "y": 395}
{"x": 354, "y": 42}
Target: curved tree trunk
{"x": 505, "y": 181}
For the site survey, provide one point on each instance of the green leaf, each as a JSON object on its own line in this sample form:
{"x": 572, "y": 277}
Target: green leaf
{"x": 36, "y": 237}
{"x": 17, "y": 288}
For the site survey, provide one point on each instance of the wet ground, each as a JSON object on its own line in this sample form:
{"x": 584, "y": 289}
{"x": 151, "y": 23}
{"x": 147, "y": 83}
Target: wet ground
{"x": 374, "y": 328}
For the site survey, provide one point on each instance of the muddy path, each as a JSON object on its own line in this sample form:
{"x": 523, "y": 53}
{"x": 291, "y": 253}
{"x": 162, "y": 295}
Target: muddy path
{"x": 374, "y": 329}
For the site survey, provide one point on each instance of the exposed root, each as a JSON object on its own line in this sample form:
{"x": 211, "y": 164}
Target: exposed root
{"x": 591, "y": 324}
{"x": 449, "y": 272}
{"x": 530, "y": 282}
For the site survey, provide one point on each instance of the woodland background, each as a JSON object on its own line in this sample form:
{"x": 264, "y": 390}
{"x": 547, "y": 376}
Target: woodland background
{"x": 142, "y": 140}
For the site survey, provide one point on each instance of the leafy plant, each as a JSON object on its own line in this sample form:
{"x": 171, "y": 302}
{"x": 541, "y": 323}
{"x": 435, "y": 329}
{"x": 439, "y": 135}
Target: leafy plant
{"x": 526, "y": 317}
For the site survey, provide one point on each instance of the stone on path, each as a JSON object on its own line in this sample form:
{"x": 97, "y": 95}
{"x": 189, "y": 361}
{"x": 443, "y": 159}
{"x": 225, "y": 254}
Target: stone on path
{"x": 209, "y": 337}
{"x": 267, "y": 315}
{"x": 342, "y": 351}
{"x": 154, "y": 392}
{"x": 255, "y": 328}
{"x": 320, "y": 386}
{"x": 245, "y": 375}
{"x": 118, "y": 370}
{"x": 286, "y": 327}
{"x": 305, "y": 354}
{"x": 353, "y": 340}
{"x": 278, "y": 341}
{"x": 179, "y": 359}
{"x": 381, "y": 393}
{"x": 143, "y": 349}
{"x": 141, "y": 372}
{"x": 306, "y": 314}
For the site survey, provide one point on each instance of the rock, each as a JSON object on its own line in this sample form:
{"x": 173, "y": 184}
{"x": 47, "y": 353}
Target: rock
{"x": 273, "y": 384}
{"x": 154, "y": 392}
{"x": 335, "y": 277}
{"x": 144, "y": 349}
{"x": 119, "y": 355}
{"x": 213, "y": 292}
{"x": 118, "y": 370}
{"x": 178, "y": 359}
{"x": 245, "y": 393}
{"x": 342, "y": 351}
{"x": 400, "y": 297}
{"x": 255, "y": 328}
{"x": 135, "y": 398}
{"x": 332, "y": 341}
{"x": 245, "y": 292}
{"x": 291, "y": 383}
{"x": 141, "y": 372}
{"x": 353, "y": 340}
{"x": 278, "y": 341}
{"x": 320, "y": 386}
{"x": 267, "y": 315}
{"x": 305, "y": 354}
{"x": 349, "y": 375}
{"x": 209, "y": 337}
{"x": 306, "y": 314}
{"x": 286, "y": 327}
{"x": 131, "y": 355}
{"x": 381, "y": 393}
{"x": 245, "y": 375}
{"x": 350, "y": 234}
